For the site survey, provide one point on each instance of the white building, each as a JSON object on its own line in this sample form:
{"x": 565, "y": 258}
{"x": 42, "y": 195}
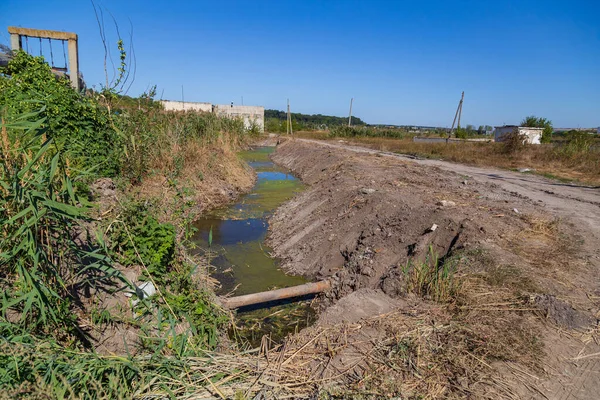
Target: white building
{"x": 530, "y": 135}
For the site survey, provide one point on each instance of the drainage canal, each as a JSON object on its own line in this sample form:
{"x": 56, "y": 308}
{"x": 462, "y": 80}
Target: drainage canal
{"x": 242, "y": 263}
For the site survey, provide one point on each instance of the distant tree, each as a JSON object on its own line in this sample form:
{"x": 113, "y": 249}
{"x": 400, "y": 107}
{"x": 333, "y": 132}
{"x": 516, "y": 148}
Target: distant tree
{"x": 535, "y": 122}
{"x": 307, "y": 122}
{"x": 461, "y": 133}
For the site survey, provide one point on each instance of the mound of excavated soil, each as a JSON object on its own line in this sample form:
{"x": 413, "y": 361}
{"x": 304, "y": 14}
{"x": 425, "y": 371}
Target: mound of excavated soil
{"x": 366, "y": 220}
{"x": 364, "y": 217}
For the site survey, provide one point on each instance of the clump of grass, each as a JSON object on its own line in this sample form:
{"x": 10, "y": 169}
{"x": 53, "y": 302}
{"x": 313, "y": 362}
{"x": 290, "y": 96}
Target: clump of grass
{"x": 432, "y": 279}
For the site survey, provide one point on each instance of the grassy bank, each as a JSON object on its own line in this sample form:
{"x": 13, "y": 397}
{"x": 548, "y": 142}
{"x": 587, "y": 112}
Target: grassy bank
{"x": 575, "y": 159}
{"x": 100, "y": 296}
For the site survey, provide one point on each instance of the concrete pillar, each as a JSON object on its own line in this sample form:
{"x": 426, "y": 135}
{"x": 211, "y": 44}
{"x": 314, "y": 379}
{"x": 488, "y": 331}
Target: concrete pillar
{"x": 74, "y": 64}
{"x": 15, "y": 41}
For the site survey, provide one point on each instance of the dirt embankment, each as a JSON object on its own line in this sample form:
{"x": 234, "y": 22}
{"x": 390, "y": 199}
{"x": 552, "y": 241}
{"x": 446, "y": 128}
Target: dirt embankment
{"x": 388, "y": 231}
{"x": 365, "y": 216}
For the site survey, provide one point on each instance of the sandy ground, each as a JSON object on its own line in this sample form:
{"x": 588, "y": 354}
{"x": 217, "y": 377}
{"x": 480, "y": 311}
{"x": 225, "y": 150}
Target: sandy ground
{"x": 368, "y": 214}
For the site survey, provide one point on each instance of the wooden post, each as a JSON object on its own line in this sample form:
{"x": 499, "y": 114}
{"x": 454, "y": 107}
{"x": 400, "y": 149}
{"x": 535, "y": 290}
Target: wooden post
{"x": 279, "y": 294}
{"x": 350, "y": 116}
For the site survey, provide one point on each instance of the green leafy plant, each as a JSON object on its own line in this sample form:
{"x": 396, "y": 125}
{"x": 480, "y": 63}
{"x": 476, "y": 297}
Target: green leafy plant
{"x": 76, "y": 123}
{"x": 40, "y": 213}
{"x": 141, "y": 238}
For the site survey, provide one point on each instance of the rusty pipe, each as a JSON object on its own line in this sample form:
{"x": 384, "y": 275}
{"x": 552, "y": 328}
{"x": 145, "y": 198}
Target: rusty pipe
{"x": 278, "y": 294}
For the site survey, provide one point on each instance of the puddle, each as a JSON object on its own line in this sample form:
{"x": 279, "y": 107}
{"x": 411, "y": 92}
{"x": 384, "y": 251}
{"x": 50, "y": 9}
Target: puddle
{"x": 241, "y": 260}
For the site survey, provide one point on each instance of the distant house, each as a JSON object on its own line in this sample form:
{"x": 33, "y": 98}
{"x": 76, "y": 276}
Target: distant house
{"x": 530, "y": 135}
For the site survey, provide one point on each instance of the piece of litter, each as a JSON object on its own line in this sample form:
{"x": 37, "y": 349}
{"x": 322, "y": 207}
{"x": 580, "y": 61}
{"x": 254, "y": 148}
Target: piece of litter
{"x": 146, "y": 289}
{"x": 517, "y": 211}
{"x": 446, "y": 203}
{"x": 433, "y": 228}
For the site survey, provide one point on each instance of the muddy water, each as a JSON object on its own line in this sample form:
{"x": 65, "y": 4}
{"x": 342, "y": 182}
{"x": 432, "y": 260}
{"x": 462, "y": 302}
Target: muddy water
{"x": 241, "y": 260}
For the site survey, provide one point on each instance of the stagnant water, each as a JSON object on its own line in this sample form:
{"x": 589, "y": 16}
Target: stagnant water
{"x": 241, "y": 260}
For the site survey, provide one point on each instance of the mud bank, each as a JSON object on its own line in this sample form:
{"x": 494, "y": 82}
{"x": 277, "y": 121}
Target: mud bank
{"x": 368, "y": 221}
{"x": 366, "y": 217}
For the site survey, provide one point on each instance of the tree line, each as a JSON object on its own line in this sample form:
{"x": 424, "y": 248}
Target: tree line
{"x": 275, "y": 121}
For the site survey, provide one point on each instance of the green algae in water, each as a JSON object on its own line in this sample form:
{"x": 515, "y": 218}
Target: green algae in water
{"x": 268, "y": 194}
{"x": 241, "y": 260}
{"x": 258, "y": 154}
{"x": 240, "y": 257}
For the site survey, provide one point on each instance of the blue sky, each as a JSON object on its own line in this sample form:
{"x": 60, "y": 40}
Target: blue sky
{"x": 404, "y": 62}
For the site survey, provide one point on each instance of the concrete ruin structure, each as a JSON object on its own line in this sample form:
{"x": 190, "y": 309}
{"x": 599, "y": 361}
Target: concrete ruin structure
{"x": 171, "y": 105}
{"x": 529, "y": 134}
{"x": 253, "y": 116}
{"x": 16, "y": 43}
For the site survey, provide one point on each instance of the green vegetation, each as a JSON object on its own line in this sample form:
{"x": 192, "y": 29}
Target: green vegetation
{"x": 140, "y": 237}
{"x": 535, "y": 122}
{"x": 40, "y": 210}
{"x": 275, "y": 121}
{"x": 78, "y": 125}
{"x": 470, "y": 131}
{"x": 433, "y": 278}
{"x": 60, "y": 257}
{"x": 365, "y": 131}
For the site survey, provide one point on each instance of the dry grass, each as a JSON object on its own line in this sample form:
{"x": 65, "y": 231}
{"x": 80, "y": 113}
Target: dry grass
{"x": 544, "y": 159}
{"x": 207, "y": 176}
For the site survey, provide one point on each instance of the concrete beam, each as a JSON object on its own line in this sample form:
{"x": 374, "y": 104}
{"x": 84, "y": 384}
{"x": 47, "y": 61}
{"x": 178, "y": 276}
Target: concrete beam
{"x": 42, "y": 33}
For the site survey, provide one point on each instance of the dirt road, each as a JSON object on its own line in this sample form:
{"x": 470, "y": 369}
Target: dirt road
{"x": 518, "y": 241}
{"x": 580, "y": 204}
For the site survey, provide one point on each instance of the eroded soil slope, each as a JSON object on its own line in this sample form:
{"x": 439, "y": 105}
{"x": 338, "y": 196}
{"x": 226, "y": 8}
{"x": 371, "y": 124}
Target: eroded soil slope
{"x": 521, "y": 273}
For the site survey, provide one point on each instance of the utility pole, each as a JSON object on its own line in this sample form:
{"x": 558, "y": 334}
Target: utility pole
{"x": 182, "y": 100}
{"x": 290, "y": 130}
{"x": 350, "y": 116}
{"x": 457, "y": 115}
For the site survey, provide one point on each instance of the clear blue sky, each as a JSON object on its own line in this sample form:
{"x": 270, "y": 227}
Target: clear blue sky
{"x": 404, "y": 62}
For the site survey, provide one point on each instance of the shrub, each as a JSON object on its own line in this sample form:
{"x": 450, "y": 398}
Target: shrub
{"x": 78, "y": 124}
{"x": 141, "y": 238}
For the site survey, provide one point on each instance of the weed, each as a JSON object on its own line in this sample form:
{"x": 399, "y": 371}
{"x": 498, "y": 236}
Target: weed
{"x": 432, "y": 279}
{"x": 363, "y": 131}
{"x": 139, "y": 235}
{"x": 39, "y": 258}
